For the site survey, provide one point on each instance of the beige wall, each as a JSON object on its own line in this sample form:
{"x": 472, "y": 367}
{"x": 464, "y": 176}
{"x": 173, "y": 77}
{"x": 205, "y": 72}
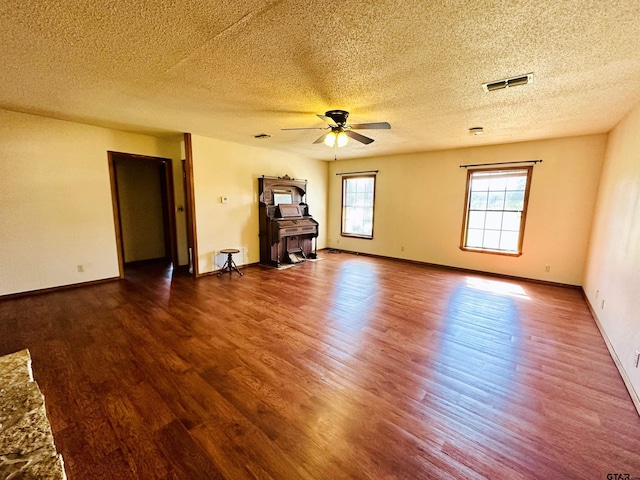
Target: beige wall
{"x": 56, "y": 200}
{"x": 57, "y": 210}
{"x": 420, "y": 201}
{"x": 227, "y": 169}
{"x": 613, "y": 264}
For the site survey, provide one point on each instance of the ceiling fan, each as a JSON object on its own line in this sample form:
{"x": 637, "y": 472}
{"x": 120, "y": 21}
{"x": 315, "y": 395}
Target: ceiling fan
{"x": 340, "y": 132}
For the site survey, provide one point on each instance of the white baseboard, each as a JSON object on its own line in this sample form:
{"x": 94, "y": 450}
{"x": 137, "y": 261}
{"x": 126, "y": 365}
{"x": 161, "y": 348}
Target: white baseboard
{"x": 625, "y": 378}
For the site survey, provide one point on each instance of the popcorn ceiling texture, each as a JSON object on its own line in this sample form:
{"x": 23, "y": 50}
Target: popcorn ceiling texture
{"x": 231, "y": 70}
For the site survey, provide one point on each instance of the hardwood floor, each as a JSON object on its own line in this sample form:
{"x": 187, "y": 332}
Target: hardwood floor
{"x": 349, "y": 367}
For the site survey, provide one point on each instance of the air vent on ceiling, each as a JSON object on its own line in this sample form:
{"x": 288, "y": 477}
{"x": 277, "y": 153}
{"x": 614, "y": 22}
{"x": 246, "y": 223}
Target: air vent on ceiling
{"x": 508, "y": 82}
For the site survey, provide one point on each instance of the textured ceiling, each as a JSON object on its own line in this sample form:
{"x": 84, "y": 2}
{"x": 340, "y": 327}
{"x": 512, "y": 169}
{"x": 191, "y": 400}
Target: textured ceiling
{"x": 233, "y": 69}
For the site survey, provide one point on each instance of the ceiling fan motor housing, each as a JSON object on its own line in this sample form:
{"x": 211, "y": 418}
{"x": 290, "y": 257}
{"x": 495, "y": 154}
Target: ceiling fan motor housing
{"x": 338, "y": 116}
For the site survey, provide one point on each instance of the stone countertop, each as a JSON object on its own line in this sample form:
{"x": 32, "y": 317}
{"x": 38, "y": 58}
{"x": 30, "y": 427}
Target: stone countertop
{"x": 15, "y": 368}
{"x": 27, "y": 450}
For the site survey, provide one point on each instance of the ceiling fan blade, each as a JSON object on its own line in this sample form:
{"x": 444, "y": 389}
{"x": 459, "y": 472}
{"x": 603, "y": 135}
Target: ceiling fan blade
{"x": 358, "y": 137}
{"x": 305, "y": 128}
{"x": 321, "y": 139}
{"x": 371, "y": 126}
{"x": 324, "y": 118}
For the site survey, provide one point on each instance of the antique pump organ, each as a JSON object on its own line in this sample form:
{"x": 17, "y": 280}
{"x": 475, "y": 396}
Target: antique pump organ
{"x": 286, "y": 228}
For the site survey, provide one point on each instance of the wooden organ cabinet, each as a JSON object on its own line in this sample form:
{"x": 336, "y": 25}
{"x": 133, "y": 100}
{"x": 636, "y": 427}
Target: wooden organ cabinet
{"x": 286, "y": 228}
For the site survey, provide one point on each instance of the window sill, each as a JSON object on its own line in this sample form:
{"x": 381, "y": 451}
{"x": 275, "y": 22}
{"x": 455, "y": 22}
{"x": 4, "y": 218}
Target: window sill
{"x": 492, "y": 252}
{"x": 350, "y": 235}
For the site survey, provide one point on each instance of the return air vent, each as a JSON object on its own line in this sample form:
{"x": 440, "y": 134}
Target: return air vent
{"x": 508, "y": 82}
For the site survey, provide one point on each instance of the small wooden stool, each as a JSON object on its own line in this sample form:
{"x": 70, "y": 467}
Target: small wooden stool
{"x": 229, "y": 265}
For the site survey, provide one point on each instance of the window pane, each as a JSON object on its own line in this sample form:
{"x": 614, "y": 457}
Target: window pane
{"x": 349, "y": 215}
{"x": 361, "y": 184}
{"x": 517, "y": 183}
{"x": 348, "y": 186}
{"x": 474, "y": 238}
{"x": 476, "y": 219}
{"x": 509, "y": 241}
{"x": 511, "y": 221}
{"x": 478, "y": 200}
{"x": 368, "y": 199}
{"x": 497, "y": 184}
{"x": 494, "y": 220}
{"x": 491, "y": 239}
{"x": 480, "y": 184}
{"x": 514, "y": 200}
{"x": 369, "y": 186}
{"x": 496, "y": 201}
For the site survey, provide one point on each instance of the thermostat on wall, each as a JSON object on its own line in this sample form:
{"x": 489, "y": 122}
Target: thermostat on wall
{"x": 224, "y": 199}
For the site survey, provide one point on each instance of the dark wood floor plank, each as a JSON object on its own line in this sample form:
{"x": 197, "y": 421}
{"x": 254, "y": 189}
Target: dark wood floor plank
{"x": 144, "y": 457}
{"x": 349, "y": 367}
{"x": 188, "y": 460}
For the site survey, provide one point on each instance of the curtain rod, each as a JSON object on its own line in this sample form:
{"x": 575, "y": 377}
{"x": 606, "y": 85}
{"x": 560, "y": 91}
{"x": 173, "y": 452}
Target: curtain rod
{"x": 500, "y": 163}
{"x": 353, "y": 173}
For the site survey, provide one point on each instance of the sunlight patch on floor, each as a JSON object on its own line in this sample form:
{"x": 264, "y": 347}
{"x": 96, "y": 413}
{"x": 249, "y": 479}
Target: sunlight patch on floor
{"x": 496, "y": 286}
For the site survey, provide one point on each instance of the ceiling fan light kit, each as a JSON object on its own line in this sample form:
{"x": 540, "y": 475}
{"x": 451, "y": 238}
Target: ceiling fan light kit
{"x": 340, "y": 132}
{"x": 339, "y": 139}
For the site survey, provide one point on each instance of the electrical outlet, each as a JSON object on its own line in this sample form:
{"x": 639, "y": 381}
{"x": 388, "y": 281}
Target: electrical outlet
{"x": 81, "y": 268}
{"x": 402, "y": 249}
{"x": 547, "y": 268}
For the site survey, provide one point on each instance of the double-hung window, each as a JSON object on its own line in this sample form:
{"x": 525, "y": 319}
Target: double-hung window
{"x": 358, "y": 195}
{"x": 495, "y": 210}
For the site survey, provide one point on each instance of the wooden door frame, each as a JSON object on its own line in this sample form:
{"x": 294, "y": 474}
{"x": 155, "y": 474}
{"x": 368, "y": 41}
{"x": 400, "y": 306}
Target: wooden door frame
{"x": 190, "y": 204}
{"x": 188, "y": 218}
{"x": 168, "y": 205}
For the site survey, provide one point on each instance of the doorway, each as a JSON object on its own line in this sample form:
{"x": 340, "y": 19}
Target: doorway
{"x": 143, "y": 206}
